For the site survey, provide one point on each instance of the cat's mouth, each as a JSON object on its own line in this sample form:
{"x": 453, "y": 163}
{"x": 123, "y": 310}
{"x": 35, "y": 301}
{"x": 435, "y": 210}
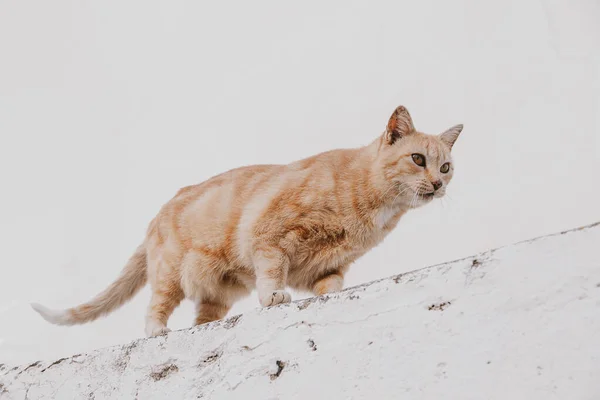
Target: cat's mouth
{"x": 427, "y": 195}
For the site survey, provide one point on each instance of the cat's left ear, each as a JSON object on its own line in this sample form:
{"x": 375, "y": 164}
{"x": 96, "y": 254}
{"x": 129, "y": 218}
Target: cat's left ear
{"x": 450, "y": 136}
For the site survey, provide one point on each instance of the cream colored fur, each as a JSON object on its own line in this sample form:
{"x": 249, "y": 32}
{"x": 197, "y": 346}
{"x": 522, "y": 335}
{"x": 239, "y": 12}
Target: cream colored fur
{"x": 268, "y": 227}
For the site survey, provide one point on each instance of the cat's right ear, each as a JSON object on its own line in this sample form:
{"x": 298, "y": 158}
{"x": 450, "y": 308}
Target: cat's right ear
{"x": 399, "y": 125}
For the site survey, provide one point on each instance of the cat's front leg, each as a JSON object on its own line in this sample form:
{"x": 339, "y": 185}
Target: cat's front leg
{"x": 330, "y": 283}
{"x": 271, "y": 268}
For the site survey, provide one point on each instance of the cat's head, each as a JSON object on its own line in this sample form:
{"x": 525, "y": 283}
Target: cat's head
{"x": 417, "y": 167}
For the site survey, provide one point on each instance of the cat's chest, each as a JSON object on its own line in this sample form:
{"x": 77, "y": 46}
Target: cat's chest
{"x": 346, "y": 236}
{"x": 365, "y": 234}
{"x": 386, "y": 219}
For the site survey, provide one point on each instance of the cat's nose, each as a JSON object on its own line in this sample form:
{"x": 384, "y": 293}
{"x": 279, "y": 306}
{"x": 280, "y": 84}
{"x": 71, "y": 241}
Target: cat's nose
{"x": 436, "y": 184}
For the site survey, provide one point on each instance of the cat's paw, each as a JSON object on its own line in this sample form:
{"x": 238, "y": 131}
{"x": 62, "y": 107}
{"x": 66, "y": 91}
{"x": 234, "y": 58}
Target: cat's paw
{"x": 275, "y": 297}
{"x": 153, "y": 330}
{"x": 159, "y": 331}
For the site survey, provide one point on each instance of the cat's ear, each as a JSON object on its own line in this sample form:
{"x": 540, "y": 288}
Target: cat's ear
{"x": 399, "y": 125}
{"x": 450, "y": 136}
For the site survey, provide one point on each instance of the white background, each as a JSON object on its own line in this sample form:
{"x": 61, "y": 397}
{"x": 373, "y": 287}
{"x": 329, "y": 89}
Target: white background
{"x": 107, "y": 108}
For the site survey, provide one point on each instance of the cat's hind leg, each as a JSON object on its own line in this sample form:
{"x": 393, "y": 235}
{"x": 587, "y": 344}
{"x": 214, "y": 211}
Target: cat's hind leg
{"x": 210, "y": 310}
{"x": 218, "y": 296}
{"x": 166, "y": 296}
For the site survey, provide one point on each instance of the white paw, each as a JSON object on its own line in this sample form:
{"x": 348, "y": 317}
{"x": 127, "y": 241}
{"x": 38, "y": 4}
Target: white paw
{"x": 275, "y": 297}
{"x": 160, "y": 331}
{"x": 154, "y": 329}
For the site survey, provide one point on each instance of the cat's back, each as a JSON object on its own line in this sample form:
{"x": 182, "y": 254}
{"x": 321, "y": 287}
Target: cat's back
{"x": 237, "y": 186}
{"x": 229, "y": 204}
{"x": 236, "y": 179}
{"x": 208, "y": 209}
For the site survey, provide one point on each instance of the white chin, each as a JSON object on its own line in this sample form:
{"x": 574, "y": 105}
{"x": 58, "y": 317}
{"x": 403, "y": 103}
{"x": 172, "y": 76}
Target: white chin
{"x": 421, "y": 202}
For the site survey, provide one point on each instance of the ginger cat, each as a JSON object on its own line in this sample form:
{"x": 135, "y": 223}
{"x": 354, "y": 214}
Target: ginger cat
{"x": 270, "y": 226}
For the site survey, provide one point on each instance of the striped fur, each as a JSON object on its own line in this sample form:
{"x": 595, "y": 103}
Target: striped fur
{"x": 268, "y": 227}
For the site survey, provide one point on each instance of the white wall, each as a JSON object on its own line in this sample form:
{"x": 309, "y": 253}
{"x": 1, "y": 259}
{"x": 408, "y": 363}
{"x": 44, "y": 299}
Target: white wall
{"x": 107, "y": 108}
{"x": 494, "y": 326}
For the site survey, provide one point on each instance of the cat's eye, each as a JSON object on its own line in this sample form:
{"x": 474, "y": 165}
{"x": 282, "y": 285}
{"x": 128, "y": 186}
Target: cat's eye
{"x": 445, "y": 168}
{"x": 419, "y": 159}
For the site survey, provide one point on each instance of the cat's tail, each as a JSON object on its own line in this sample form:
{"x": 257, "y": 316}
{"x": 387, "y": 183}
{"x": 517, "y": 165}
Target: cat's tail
{"x": 133, "y": 277}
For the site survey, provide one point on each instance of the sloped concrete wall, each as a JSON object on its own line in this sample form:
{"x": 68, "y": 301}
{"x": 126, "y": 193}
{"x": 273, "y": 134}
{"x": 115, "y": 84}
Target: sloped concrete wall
{"x": 520, "y": 322}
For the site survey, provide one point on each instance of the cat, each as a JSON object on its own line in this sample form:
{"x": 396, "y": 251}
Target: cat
{"x": 265, "y": 227}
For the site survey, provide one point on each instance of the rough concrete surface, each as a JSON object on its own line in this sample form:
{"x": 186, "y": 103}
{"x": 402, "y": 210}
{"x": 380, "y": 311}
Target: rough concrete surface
{"x": 519, "y": 322}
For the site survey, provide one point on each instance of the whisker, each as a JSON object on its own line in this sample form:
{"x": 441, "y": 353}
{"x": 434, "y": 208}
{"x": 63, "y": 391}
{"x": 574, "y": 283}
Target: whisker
{"x": 400, "y": 193}
{"x": 413, "y": 201}
{"x": 387, "y": 191}
{"x": 403, "y": 186}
